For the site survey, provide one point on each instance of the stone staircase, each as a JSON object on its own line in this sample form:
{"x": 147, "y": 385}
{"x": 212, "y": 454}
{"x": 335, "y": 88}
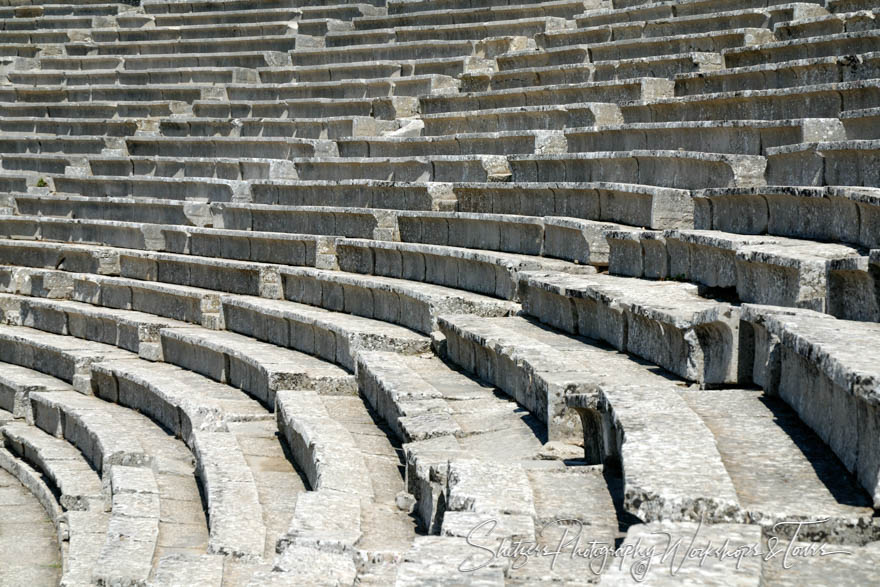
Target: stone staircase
{"x": 313, "y": 293}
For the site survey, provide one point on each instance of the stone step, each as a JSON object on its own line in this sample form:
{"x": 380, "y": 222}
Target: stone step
{"x": 437, "y": 168}
{"x": 705, "y": 42}
{"x": 31, "y": 541}
{"x": 484, "y": 272}
{"x": 66, "y": 358}
{"x": 571, "y": 239}
{"x": 72, "y": 7}
{"x": 191, "y": 32}
{"x": 828, "y": 45}
{"x": 418, "y": 6}
{"x": 543, "y": 370}
{"x": 162, "y": 47}
{"x": 674, "y": 169}
{"x": 828, "y": 24}
{"x": 426, "y": 31}
{"x": 583, "y": 71}
{"x": 133, "y": 530}
{"x": 16, "y": 385}
{"x": 665, "y": 323}
{"x": 81, "y": 534}
{"x": 824, "y": 369}
{"x": 305, "y": 128}
{"x": 103, "y": 93}
{"x": 540, "y": 117}
{"x": 226, "y": 147}
{"x": 812, "y": 101}
{"x": 260, "y": 247}
{"x": 141, "y": 210}
{"x": 826, "y": 277}
{"x": 798, "y": 479}
{"x": 205, "y": 75}
{"x": 375, "y": 88}
{"x": 69, "y": 126}
{"x": 13, "y": 144}
{"x": 744, "y": 137}
{"x": 672, "y": 26}
{"x": 91, "y": 110}
{"x": 188, "y": 6}
{"x": 861, "y": 124}
{"x": 63, "y": 466}
{"x": 261, "y": 14}
{"x": 494, "y": 143}
{"x": 383, "y": 52}
{"x": 810, "y": 568}
{"x": 451, "y": 66}
{"x": 27, "y": 23}
{"x": 852, "y": 163}
{"x": 242, "y": 59}
{"x": 471, "y": 14}
{"x": 834, "y": 214}
{"x": 202, "y": 569}
{"x": 319, "y": 108}
{"x": 612, "y": 91}
{"x": 786, "y": 74}
{"x": 331, "y": 336}
{"x": 412, "y": 305}
{"x": 308, "y": 220}
{"x": 191, "y": 193}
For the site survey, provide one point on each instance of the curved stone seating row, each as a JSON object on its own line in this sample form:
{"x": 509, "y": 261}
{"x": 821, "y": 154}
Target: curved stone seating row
{"x": 29, "y": 531}
{"x": 485, "y": 272}
{"x": 800, "y": 352}
{"x": 459, "y": 14}
{"x": 851, "y": 163}
{"x": 666, "y": 323}
{"x": 836, "y": 214}
{"x": 826, "y": 277}
{"x": 81, "y": 534}
{"x": 78, "y": 485}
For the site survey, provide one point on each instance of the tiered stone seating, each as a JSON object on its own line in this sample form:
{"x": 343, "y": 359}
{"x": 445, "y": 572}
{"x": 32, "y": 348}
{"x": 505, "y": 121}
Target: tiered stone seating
{"x": 303, "y": 292}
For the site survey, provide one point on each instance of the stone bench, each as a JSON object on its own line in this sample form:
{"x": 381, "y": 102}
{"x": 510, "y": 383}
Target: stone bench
{"x": 83, "y": 531}
{"x": 517, "y": 118}
{"x": 323, "y": 448}
{"x": 146, "y": 210}
{"x": 860, "y": 124}
{"x": 787, "y": 74}
{"x": 817, "y": 101}
{"x": 638, "y": 205}
{"x": 852, "y": 163}
{"x": 827, "y": 45}
{"x": 187, "y": 6}
{"x": 382, "y": 52}
{"x": 257, "y": 368}
{"x": 418, "y": 6}
{"x": 565, "y": 238}
{"x": 471, "y": 14}
{"x": 225, "y": 147}
{"x": 133, "y": 530}
{"x": 735, "y": 137}
{"x": 710, "y": 42}
{"x": 69, "y": 126}
{"x": 449, "y": 66}
{"x": 66, "y": 358}
{"x": 90, "y": 109}
{"x": 79, "y": 487}
{"x": 13, "y": 144}
{"x": 835, "y": 214}
{"x": 191, "y": 32}
{"x": 235, "y": 169}
{"x": 247, "y": 59}
{"x": 231, "y": 45}
{"x": 358, "y": 88}
{"x": 485, "y": 272}
{"x": 318, "y": 108}
{"x": 661, "y": 66}
{"x": 331, "y": 336}
{"x": 109, "y": 93}
{"x": 800, "y": 353}
{"x": 613, "y": 91}
{"x": 648, "y": 11}
{"x": 552, "y": 375}
{"x": 496, "y": 143}
{"x": 174, "y": 191}
{"x": 360, "y": 193}
{"x": 827, "y": 24}
{"x": 438, "y": 168}
{"x": 413, "y": 305}
{"x": 260, "y": 14}
{"x": 308, "y": 220}
{"x": 663, "y": 322}
{"x": 316, "y": 128}
{"x": 16, "y": 386}
{"x": 674, "y": 169}
{"x": 229, "y": 75}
